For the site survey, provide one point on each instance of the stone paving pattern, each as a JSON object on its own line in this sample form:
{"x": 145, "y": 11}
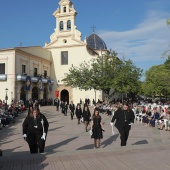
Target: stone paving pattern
{"x": 69, "y": 147}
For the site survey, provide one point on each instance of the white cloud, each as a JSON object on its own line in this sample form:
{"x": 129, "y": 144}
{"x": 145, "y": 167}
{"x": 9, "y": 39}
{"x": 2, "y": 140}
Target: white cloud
{"x": 146, "y": 42}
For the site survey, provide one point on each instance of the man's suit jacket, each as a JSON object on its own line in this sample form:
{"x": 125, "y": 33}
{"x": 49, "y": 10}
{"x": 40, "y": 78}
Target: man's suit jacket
{"x": 57, "y": 102}
{"x": 120, "y": 116}
{"x": 72, "y": 107}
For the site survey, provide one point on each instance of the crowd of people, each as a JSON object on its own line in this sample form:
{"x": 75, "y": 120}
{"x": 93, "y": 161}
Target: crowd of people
{"x": 94, "y": 120}
{"x": 35, "y": 125}
{"x": 83, "y": 115}
{"x": 9, "y": 113}
{"x": 42, "y": 102}
{"x": 154, "y": 115}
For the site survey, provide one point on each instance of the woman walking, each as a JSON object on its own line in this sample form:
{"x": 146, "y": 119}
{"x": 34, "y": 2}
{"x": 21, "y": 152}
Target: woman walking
{"x": 78, "y": 113}
{"x": 97, "y": 128}
{"x": 86, "y": 116}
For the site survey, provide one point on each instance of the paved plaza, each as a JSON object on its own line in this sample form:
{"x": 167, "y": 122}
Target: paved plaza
{"x": 69, "y": 147}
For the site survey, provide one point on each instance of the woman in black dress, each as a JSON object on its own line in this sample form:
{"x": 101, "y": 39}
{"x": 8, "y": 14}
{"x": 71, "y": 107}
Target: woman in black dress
{"x": 78, "y": 113}
{"x": 97, "y": 128}
{"x": 86, "y": 116}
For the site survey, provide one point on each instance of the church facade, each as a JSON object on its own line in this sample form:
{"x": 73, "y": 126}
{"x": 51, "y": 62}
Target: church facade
{"x": 37, "y": 72}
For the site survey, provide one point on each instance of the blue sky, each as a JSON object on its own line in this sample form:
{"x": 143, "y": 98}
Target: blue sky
{"x": 136, "y": 29}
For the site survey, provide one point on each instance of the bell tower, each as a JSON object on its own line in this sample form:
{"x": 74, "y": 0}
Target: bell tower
{"x": 65, "y": 21}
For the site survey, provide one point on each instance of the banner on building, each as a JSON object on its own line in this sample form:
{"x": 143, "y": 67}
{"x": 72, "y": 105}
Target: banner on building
{"x": 40, "y": 84}
{"x": 28, "y": 83}
{"x": 49, "y": 85}
{"x": 57, "y": 93}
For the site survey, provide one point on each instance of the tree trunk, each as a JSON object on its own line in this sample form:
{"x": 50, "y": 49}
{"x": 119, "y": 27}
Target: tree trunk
{"x": 122, "y": 96}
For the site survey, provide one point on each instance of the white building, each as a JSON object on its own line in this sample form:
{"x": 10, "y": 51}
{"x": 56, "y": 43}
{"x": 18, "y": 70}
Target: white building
{"x": 65, "y": 49}
{"x": 16, "y": 64}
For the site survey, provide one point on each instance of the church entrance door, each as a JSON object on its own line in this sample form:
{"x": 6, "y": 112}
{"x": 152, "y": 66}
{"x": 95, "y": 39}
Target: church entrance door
{"x": 64, "y": 96}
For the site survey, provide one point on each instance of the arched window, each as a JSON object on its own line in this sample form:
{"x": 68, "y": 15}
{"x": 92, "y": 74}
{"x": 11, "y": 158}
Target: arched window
{"x": 64, "y": 9}
{"x": 61, "y": 26}
{"x": 68, "y": 25}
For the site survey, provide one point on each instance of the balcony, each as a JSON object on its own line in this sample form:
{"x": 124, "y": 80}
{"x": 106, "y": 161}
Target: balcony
{"x": 33, "y": 79}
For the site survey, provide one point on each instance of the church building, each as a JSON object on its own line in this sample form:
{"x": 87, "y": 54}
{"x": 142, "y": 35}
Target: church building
{"x": 37, "y": 72}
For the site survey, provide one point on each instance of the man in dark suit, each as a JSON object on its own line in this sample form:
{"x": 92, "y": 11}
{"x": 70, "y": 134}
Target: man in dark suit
{"x": 65, "y": 108}
{"x": 57, "y": 103}
{"x": 72, "y": 109}
{"x": 124, "y": 119}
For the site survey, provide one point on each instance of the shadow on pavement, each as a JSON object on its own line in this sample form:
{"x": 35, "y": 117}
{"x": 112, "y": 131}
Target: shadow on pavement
{"x": 10, "y": 129}
{"x": 52, "y": 122}
{"x": 141, "y": 142}
{"x": 91, "y": 146}
{"x": 109, "y": 140}
{"x": 105, "y": 143}
{"x": 24, "y": 160}
{"x": 50, "y": 149}
{"x": 55, "y": 128}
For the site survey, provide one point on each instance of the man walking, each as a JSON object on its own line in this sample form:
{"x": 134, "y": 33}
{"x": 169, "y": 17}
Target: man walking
{"x": 72, "y": 109}
{"x": 124, "y": 119}
{"x": 57, "y": 103}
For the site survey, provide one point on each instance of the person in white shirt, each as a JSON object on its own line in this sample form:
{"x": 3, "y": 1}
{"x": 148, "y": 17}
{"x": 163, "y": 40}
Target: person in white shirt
{"x": 162, "y": 120}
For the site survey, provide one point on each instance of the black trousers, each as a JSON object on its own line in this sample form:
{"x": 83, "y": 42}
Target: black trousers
{"x": 4, "y": 122}
{"x": 65, "y": 112}
{"x": 72, "y": 114}
{"x": 36, "y": 144}
{"x": 124, "y": 134}
{"x": 57, "y": 108}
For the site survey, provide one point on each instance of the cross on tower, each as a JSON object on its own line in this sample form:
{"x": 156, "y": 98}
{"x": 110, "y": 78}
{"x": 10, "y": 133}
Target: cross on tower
{"x": 93, "y": 27}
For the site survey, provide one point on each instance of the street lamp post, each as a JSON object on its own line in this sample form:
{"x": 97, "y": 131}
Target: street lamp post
{"x": 6, "y": 98}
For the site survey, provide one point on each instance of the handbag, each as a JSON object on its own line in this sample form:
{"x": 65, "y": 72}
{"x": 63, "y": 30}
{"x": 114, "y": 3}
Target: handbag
{"x": 82, "y": 120}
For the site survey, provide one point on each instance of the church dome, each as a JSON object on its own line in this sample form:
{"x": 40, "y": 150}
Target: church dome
{"x": 95, "y": 42}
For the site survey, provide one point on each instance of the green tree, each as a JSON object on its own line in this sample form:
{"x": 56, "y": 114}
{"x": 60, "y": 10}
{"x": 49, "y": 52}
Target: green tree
{"x": 168, "y": 21}
{"x": 166, "y": 53}
{"x": 157, "y": 80}
{"x": 105, "y": 73}
{"x": 127, "y": 78}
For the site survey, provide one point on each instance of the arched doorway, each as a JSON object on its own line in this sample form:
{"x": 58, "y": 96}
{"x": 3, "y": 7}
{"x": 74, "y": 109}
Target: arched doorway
{"x": 35, "y": 93}
{"x": 23, "y": 94}
{"x": 64, "y": 96}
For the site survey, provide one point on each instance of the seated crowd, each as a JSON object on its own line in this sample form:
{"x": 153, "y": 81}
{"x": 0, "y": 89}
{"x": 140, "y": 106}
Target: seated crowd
{"x": 8, "y": 113}
{"x": 154, "y": 115}
{"x": 150, "y": 114}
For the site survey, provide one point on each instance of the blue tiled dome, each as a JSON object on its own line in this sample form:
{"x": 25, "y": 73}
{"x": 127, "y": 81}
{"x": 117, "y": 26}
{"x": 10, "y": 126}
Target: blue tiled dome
{"x": 96, "y": 43}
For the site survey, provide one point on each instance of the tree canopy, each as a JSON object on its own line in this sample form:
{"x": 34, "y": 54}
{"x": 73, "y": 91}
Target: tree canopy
{"x": 157, "y": 80}
{"x": 105, "y": 73}
{"x": 166, "y": 53}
